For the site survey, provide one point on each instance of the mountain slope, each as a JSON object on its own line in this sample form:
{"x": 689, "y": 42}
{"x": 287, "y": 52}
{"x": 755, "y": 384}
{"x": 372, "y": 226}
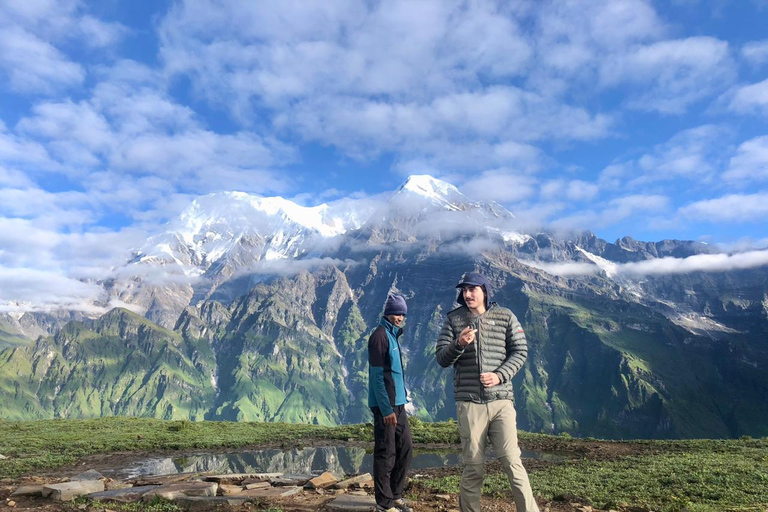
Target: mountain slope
{"x": 234, "y": 331}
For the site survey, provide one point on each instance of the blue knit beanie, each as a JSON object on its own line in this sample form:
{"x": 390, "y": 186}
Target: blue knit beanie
{"x": 395, "y": 306}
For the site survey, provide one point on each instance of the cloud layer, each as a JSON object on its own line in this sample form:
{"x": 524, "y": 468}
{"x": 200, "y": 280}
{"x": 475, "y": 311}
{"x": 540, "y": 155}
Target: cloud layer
{"x": 628, "y": 117}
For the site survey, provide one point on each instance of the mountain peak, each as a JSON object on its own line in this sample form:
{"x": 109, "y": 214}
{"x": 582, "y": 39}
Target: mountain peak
{"x": 426, "y": 185}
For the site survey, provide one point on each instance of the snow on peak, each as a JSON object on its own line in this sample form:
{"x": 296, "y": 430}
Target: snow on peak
{"x": 426, "y": 185}
{"x": 244, "y": 212}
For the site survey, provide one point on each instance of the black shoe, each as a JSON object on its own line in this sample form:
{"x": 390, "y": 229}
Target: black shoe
{"x": 402, "y": 506}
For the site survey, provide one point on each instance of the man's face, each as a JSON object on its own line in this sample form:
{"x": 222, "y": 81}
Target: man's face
{"x": 396, "y": 320}
{"x": 474, "y": 296}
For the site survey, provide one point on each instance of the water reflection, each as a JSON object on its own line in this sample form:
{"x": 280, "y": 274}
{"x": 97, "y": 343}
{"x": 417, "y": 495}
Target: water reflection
{"x": 340, "y": 460}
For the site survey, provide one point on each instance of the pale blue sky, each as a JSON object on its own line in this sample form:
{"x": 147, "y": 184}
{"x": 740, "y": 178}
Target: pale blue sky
{"x": 628, "y": 117}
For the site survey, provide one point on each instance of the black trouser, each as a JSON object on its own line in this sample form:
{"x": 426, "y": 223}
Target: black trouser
{"x": 392, "y": 452}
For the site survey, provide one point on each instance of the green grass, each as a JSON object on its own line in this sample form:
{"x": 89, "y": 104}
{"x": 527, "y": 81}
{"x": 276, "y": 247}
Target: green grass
{"x": 33, "y": 445}
{"x": 665, "y": 476}
{"x": 156, "y": 505}
{"x": 699, "y": 475}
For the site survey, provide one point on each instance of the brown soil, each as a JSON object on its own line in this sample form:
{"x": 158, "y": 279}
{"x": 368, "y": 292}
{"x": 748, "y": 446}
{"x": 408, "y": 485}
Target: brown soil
{"x": 419, "y": 496}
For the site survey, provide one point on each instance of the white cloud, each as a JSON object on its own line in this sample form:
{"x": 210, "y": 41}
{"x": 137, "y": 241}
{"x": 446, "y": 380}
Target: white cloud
{"x": 645, "y": 206}
{"x": 33, "y": 65}
{"x": 693, "y": 154}
{"x": 399, "y": 77}
{"x": 663, "y": 266}
{"x": 14, "y": 178}
{"x": 573, "y": 190}
{"x": 697, "y": 263}
{"x": 44, "y": 291}
{"x": 756, "y": 52}
{"x": 750, "y": 164}
{"x": 500, "y": 185}
{"x": 50, "y": 210}
{"x": 732, "y": 208}
{"x": 674, "y": 73}
{"x": 751, "y": 99}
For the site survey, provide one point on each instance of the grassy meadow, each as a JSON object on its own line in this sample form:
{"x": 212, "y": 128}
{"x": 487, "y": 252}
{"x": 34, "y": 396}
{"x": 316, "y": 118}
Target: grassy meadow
{"x": 665, "y": 476}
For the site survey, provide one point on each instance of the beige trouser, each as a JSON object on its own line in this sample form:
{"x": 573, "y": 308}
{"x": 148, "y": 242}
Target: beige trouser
{"x": 497, "y": 420}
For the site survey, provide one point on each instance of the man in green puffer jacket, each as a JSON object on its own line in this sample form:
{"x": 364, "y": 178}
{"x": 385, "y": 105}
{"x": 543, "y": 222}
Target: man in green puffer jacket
{"x": 486, "y": 346}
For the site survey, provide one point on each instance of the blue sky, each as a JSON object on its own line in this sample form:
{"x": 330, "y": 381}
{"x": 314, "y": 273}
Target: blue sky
{"x": 629, "y": 117}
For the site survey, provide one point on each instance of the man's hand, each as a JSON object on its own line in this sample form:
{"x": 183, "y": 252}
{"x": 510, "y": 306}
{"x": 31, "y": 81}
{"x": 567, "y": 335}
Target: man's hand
{"x": 390, "y": 419}
{"x": 490, "y": 379}
{"x": 467, "y": 336}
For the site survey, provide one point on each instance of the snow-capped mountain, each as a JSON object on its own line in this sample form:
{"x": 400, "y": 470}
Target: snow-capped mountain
{"x": 250, "y": 285}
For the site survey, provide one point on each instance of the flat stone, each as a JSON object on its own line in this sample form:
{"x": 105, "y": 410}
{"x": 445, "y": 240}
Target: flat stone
{"x": 271, "y": 492}
{"x": 291, "y": 480}
{"x": 257, "y": 485}
{"x": 444, "y": 497}
{"x": 116, "y": 484}
{"x": 11, "y": 503}
{"x": 364, "y": 483}
{"x": 354, "y": 480}
{"x": 358, "y": 493}
{"x": 91, "y": 474}
{"x": 327, "y": 479}
{"x": 206, "y": 503}
{"x": 126, "y": 495}
{"x": 3, "y": 457}
{"x": 163, "y": 479}
{"x": 176, "y": 490}
{"x": 229, "y": 490}
{"x": 28, "y": 490}
{"x": 67, "y": 491}
{"x": 352, "y": 503}
{"x": 229, "y": 478}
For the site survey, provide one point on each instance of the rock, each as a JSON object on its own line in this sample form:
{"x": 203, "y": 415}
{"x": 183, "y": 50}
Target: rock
{"x": 113, "y": 485}
{"x": 291, "y": 480}
{"x": 358, "y": 493}
{"x": 67, "y": 491}
{"x": 28, "y": 490}
{"x": 237, "y": 478}
{"x": 229, "y": 490}
{"x": 3, "y": 457}
{"x": 257, "y": 485}
{"x": 354, "y": 480}
{"x": 125, "y": 495}
{"x": 175, "y": 490}
{"x": 207, "y": 503}
{"x": 365, "y": 484}
{"x": 444, "y": 497}
{"x": 352, "y": 503}
{"x": 163, "y": 479}
{"x": 91, "y": 474}
{"x": 327, "y": 479}
{"x": 82, "y": 507}
{"x": 271, "y": 492}
{"x": 11, "y": 503}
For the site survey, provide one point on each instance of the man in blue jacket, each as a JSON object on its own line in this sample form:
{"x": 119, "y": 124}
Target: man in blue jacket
{"x": 387, "y": 397}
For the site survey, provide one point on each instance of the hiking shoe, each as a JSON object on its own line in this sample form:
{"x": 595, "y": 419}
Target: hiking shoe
{"x": 401, "y": 506}
{"x": 379, "y": 508}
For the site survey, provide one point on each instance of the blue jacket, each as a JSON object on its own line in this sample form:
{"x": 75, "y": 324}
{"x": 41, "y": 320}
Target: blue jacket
{"x": 386, "y": 387}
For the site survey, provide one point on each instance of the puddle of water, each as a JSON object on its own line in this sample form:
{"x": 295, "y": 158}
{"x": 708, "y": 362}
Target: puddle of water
{"x": 340, "y": 460}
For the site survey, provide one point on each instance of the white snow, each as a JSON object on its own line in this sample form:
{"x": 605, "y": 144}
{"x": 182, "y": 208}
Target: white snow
{"x": 610, "y": 268}
{"x": 514, "y": 237}
{"x": 430, "y": 187}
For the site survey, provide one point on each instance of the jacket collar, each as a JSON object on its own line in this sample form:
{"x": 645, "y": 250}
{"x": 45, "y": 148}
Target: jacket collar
{"x": 390, "y": 327}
